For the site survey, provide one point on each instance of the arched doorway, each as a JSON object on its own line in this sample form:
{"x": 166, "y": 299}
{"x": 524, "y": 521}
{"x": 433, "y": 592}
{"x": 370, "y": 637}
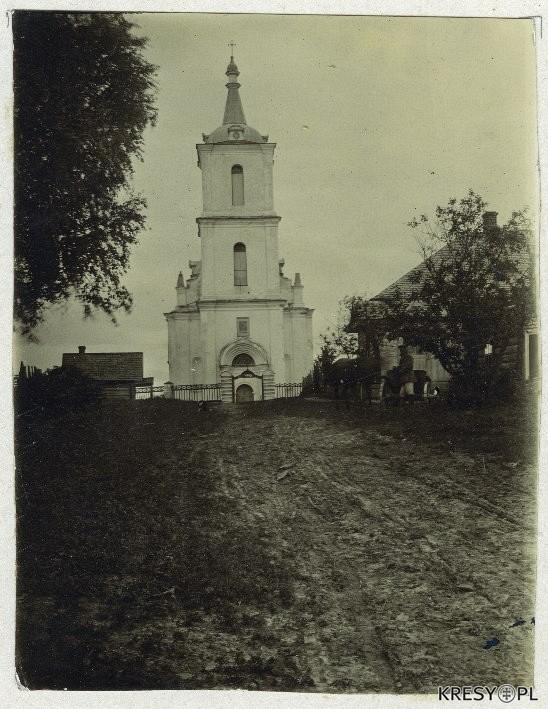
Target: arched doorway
{"x": 244, "y": 393}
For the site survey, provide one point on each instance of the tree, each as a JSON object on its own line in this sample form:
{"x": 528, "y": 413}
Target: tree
{"x": 359, "y": 330}
{"x": 339, "y": 340}
{"x": 473, "y": 289}
{"x": 54, "y": 392}
{"x": 83, "y": 97}
{"x": 347, "y": 357}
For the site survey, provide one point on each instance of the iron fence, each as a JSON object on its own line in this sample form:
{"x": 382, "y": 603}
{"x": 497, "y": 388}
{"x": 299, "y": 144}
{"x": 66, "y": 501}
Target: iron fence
{"x": 148, "y": 392}
{"x": 288, "y": 391}
{"x": 197, "y": 392}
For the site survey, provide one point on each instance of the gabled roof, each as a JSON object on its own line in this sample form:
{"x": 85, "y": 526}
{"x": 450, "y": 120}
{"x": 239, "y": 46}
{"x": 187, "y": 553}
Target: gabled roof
{"x": 107, "y": 366}
{"x": 407, "y": 283}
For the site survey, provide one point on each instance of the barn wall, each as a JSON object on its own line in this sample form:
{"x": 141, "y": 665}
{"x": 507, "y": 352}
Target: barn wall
{"x": 117, "y": 391}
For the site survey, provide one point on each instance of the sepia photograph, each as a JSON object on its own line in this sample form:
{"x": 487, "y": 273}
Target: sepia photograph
{"x": 276, "y": 356}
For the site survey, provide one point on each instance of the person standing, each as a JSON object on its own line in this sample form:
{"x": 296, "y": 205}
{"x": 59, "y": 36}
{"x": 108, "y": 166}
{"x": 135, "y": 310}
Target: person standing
{"x": 407, "y": 375}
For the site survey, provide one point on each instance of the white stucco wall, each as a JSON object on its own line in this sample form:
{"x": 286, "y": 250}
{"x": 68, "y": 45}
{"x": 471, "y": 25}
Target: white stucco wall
{"x": 203, "y": 325}
{"x": 297, "y": 343}
{"x": 184, "y": 344}
{"x": 216, "y": 162}
{"x": 260, "y": 237}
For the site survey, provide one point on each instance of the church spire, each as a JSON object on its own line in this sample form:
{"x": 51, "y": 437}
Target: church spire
{"x": 234, "y": 128}
{"x": 234, "y": 112}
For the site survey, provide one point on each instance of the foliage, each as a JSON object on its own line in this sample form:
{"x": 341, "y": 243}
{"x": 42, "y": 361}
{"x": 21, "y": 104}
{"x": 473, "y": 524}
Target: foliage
{"x": 474, "y": 289}
{"x": 356, "y": 315}
{"x": 367, "y": 318}
{"x": 83, "y": 97}
{"x": 54, "y": 392}
{"x": 338, "y": 340}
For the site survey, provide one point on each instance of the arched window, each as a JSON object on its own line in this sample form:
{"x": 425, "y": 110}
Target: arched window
{"x": 243, "y": 360}
{"x": 240, "y": 265}
{"x": 237, "y": 185}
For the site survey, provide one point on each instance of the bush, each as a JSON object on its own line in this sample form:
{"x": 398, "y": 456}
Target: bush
{"x": 60, "y": 389}
{"x": 483, "y": 389}
{"x": 508, "y": 386}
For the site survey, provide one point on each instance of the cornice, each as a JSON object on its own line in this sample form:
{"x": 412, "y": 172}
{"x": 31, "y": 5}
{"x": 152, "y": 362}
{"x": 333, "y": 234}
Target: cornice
{"x": 213, "y": 219}
{"x": 211, "y": 304}
{"x": 232, "y": 144}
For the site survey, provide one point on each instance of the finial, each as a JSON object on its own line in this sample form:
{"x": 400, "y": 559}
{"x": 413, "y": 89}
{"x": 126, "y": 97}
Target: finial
{"x": 232, "y": 70}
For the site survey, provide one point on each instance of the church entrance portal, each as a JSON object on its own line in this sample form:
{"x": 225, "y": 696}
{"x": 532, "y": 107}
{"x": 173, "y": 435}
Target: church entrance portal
{"x": 244, "y": 394}
{"x": 247, "y": 386}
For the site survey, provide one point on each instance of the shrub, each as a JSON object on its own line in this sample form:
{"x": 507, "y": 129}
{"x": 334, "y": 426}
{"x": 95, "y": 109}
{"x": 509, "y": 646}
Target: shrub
{"x": 55, "y": 391}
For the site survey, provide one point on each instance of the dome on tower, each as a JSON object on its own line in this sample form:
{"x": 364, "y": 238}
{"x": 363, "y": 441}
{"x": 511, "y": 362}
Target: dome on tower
{"x": 232, "y": 68}
{"x": 235, "y": 133}
{"x": 234, "y": 128}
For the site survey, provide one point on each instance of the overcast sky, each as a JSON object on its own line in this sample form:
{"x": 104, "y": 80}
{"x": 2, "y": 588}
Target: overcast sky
{"x": 376, "y": 120}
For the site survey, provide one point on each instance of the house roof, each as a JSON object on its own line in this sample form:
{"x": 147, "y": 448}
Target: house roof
{"x": 407, "y": 283}
{"x": 107, "y": 366}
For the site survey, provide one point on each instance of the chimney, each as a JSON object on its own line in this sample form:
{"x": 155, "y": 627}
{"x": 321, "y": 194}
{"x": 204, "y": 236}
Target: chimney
{"x": 489, "y": 220}
{"x": 82, "y": 349}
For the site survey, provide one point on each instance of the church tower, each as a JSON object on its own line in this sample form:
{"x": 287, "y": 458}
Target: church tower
{"x": 239, "y": 322}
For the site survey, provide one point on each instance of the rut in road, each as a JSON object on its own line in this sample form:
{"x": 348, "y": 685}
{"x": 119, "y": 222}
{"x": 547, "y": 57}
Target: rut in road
{"x": 386, "y": 546}
{"x": 340, "y": 643}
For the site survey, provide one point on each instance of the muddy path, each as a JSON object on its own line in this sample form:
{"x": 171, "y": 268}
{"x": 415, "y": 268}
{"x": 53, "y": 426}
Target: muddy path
{"x": 284, "y": 546}
{"x": 277, "y": 469}
{"x": 406, "y": 567}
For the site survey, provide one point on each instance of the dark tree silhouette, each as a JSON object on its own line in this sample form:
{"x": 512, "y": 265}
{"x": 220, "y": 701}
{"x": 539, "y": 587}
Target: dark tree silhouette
{"x": 476, "y": 287}
{"x": 83, "y": 97}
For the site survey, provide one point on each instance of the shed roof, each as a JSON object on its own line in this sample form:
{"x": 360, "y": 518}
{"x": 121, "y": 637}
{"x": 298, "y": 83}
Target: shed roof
{"x": 107, "y": 366}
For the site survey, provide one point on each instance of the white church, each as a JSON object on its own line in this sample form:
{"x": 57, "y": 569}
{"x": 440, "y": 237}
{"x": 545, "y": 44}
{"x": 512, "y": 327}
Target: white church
{"x": 239, "y": 322}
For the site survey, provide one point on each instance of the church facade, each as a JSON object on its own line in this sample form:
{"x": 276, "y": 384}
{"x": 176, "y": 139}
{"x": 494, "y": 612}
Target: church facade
{"x": 239, "y": 322}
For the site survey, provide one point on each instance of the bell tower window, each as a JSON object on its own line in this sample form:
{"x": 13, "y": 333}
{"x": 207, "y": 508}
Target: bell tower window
{"x": 237, "y": 185}
{"x": 240, "y": 265}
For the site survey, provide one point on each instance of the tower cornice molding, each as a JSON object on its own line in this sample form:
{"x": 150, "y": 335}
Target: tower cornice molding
{"x": 229, "y": 220}
{"x": 235, "y": 303}
{"x": 232, "y": 144}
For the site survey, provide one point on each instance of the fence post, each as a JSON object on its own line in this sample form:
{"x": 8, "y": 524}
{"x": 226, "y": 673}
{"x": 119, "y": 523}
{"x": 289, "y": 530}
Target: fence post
{"x": 168, "y": 390}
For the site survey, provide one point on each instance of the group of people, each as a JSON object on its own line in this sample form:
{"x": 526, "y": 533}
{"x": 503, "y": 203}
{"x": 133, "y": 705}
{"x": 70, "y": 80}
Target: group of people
{"x": 402, "y": 379}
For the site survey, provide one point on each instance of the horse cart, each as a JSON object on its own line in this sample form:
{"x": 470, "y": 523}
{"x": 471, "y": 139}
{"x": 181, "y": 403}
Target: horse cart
{"x": 391, "y": 385}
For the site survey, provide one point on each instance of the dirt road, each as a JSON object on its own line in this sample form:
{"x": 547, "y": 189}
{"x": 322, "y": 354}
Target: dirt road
{"x": 279, "y": 546}
{"x": 408, "y": 561}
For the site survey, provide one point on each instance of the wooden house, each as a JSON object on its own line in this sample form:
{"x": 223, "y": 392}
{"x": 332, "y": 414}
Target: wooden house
{"x": 521, "y": 355}
{"x": 118, "y": 372}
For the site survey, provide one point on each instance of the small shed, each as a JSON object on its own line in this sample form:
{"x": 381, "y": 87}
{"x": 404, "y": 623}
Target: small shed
{"x": 118, "y": 372}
